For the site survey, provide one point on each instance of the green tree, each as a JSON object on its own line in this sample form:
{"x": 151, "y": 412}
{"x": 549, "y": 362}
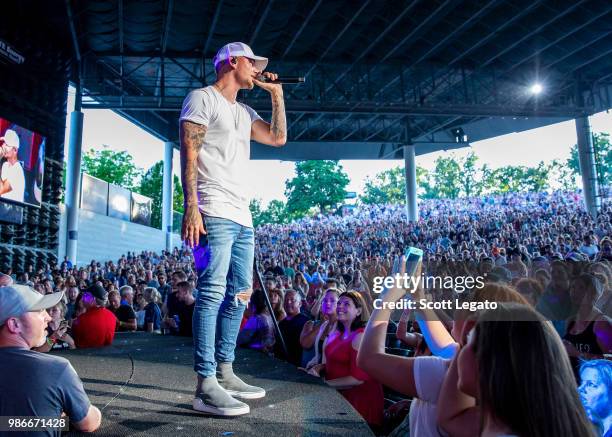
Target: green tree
{"x": 317, "y": 184}
{"x": 536, "y": 178}
{"x": 504, "y": 179}
{"x": 256, "y": 212}
{"x": 426, "y": 188}
{"x": 517, "y": 178}
{"x": 603, "y": 149}
{"x": 111, "y": 166}
{"x": 151, "y": 185}
{"x": 386, "y": 187}
{"x": 470, "y": 177}
{"x": 447, "y": 177}
{"x": 572, "y": 162}
{"x": 389, "y": 186}
{"x": 562, "y": 174}
{"x": 276, "y": 212}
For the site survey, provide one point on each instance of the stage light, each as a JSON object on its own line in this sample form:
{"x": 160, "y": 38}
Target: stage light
{"x": 459, "y": 135}
{"x": 536, "y": 88}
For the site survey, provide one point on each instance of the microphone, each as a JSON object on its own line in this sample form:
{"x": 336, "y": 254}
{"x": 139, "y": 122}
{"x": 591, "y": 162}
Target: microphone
{"x": 285, "y": 80}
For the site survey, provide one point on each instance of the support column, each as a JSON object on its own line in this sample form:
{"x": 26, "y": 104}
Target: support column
{"x": 588, "y": 172}
{"x": 412, "y": 211}
{"x": 167, "y": 192}
{"x": 73, "y": 178}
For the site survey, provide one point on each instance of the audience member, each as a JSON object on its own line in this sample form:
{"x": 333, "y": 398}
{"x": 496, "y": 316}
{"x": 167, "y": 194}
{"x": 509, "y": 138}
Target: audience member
{"x": 180, "y": 313}
{"x": 277, "y": 298}
{"x": 524, "y": 384}
{"x": 139, "y": 309}
{"x": 72, "y": 295}
{"x": 415, "y": 339}
{"x": 291, "y": 328}
{"x": 311, "y": 301}
{"x": 531, "y": 289}
{"x": 58, "y": 336}
{"x": 341, "y": 370}
{"x": 151, "y": 281}
{"x": 274, "y": 269}
{"x": 543, "y": 243}
{"x": 152, "y": 312}
{"x": 315, "y": 332}
{"x": 95, "y": 327}
{"x": 127, "y": 295}
{"x": 40, "y": 385}
{"x": 164, "y": 288}
{"x": 177, "y": 277}
{"x": 125, "y": 313}
{"x": 589, "y": 331}
{"x": 424, "y": 375}
{"x": 258, "y": 332}
{"x": 300, "y": 284}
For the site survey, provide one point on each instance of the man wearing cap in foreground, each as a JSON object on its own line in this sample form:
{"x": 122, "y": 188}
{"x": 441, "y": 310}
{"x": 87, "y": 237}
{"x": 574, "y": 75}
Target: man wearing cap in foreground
{"x": 215, "y": 133}
{"x": 12, "y": 179}
{"x": 34, "y": 383}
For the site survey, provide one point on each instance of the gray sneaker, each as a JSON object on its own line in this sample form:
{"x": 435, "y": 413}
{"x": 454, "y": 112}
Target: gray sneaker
{"x": 236, "y": 386}
{"x": 210, "y": 398}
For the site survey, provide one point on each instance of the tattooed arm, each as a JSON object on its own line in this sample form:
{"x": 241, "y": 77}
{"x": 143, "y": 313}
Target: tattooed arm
{"x": 192, "y": 137}
{"x": 275, "y": 133}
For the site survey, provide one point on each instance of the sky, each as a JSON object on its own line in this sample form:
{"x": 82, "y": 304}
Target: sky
{"x": 104, "y": 128}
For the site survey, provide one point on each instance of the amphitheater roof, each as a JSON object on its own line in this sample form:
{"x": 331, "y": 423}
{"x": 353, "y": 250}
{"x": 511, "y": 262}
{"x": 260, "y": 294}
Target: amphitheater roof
{"x": 379, "y": 74}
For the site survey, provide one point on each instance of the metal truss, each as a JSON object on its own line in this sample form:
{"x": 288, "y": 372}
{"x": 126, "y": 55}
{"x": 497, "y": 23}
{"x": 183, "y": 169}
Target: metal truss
{"x": 373, "y": 98}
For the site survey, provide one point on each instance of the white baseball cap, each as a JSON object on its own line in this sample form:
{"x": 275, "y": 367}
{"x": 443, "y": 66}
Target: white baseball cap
{"x": 11, "y": 138}
{"x": 239, "y": 49}
{"x": 16, "y": 300}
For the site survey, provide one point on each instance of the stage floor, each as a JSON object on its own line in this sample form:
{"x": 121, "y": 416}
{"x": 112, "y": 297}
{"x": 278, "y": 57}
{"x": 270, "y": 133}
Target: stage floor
{"x": 144, "y": 385}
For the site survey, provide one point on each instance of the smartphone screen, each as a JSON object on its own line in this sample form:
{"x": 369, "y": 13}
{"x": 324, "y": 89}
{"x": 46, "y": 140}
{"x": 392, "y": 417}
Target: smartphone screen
{"x": 413, "y": 256}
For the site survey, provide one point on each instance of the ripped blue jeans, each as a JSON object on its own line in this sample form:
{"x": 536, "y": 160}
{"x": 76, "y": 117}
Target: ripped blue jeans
{"x": 218, "y": 311}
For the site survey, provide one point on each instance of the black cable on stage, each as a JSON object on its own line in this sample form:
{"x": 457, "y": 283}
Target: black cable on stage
{"x": 269, "y": 305}
{"x": 124, "y": 385}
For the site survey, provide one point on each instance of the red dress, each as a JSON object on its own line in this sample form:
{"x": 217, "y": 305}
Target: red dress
{"x": 341, "y": 360}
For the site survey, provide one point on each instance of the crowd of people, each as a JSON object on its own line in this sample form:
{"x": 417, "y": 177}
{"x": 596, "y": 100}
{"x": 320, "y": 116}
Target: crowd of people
{"x": 539, "y": 252}
{"x": 541, "y": 257}
{"x": 100, "y": 300}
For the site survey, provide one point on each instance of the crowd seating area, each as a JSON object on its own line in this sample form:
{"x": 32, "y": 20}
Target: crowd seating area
{"x": 322, "y": 276}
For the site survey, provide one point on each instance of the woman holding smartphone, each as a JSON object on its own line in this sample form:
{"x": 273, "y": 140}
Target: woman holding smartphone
{"x": 57, "y": 330}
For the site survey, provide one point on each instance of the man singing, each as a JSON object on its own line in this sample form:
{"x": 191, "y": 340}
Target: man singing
{"x": 12, "y": 179}
{"x": 215, "y": 134}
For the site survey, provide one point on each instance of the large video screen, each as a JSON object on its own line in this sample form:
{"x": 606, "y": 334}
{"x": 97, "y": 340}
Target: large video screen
{"x": 22, "y": 164}
{"x": 141, "y": 209}
{"x": 94, "y": 194}
{"x": 119, "y": 199}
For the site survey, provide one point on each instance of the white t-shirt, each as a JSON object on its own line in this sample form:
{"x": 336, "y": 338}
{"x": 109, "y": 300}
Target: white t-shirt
{"x": 14, "y": 175}
{"x": 224, "y": 157}
{"x": 429, "y": 374}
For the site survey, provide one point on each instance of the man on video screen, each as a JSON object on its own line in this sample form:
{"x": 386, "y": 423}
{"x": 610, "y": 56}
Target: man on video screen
{"x": 12, "y": 179}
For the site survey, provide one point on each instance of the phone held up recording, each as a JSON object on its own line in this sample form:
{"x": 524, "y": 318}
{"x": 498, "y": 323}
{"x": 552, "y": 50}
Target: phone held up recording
{"x": 413, "y": 257}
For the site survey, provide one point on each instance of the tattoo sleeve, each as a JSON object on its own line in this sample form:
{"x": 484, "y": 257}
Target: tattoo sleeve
{"x": 278, "y": 127}
{"x": 192, "y": 137}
